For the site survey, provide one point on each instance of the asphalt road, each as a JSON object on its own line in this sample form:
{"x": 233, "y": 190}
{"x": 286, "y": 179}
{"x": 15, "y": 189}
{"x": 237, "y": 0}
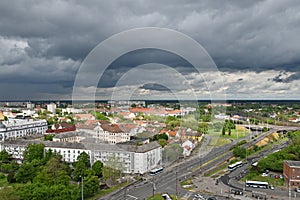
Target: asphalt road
{"x": 232, "y": 179}
{"x": 166, "y": 181}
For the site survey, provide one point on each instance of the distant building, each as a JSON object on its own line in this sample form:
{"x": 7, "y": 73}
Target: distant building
{"x": 105, "y": 132}
{"x": 61, "y": 127}
{"x": 51, "y": 108}
{"x": 30, "y": 106}
{"x": 16, "y": 128}
{"x": 291, "y": 173}
{"x": 222, "y": 116}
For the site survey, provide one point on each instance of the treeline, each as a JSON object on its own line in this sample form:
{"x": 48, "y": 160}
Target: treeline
{"x": 43, "y": 175}
{"x": 274, "y": 161}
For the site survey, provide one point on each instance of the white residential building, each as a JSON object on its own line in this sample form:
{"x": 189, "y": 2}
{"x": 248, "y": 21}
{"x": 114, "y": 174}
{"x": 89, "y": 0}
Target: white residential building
{"x": 51, "y": 108}
{"x": 222, "y": 116}
{"x": 106, "y": 132}
{"x": 15, "y": 128}
{"x": 128, "y": 158}
{"x": 68, "y": 151}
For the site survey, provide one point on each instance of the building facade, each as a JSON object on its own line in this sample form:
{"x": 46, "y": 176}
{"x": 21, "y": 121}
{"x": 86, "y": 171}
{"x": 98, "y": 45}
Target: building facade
{"x": 16, "y": 128}
{"x": 107, "y": 133}
{"x": 51, "y": 108}
{"x": 126, "y": 157}
{"x": 291, "y": 173}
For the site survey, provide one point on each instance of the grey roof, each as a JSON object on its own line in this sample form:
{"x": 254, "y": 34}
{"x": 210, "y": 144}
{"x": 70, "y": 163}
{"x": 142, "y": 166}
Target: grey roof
{"x": 69, "y": 145}
{"x": 293, "y": 163}
{"x": 21, "y": 142}
{"x": 47, "y": 144}
{"x": 90, "y": 146}
{"x": 71, "y": 134}
{"x": 140, "y": 149}
{"x": 104, "y": 147}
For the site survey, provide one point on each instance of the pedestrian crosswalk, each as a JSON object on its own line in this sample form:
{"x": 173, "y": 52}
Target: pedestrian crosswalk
{"x": 187, "y": 195}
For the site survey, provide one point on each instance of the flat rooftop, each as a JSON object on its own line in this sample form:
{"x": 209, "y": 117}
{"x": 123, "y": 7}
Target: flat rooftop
{"x": 293, "y": 163}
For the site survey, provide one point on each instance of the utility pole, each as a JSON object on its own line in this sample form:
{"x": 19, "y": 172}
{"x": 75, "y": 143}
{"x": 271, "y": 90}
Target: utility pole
{"x": 153, "y": 187}
{"x": 81, "y": 187}
{"x": 289, "y": 190}
{"x": 176, "y": 184}
{"x": 125, "y": 194}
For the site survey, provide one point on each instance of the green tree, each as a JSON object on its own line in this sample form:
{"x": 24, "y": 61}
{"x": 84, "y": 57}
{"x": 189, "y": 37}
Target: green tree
{"x": 8, "y": 193}
{"x": 5, "y": 157}
{"x": 162, "y": 142}
{"x": 53, "y": 173}
{"x": 239, "y": 152}
{"x": 26, "y": 173}
{"x": 100, "y": 116}
{"x": 203, "y": 127}
{"x": 91, "y": 186}
{"x": 9, "y": 167}
{"x": 223, "y": 130}
{"x": 97, "y": 167}
{"x": 85, "y": 159}
{"x": 133, "y": 105}
{"x": 79, "y": 170}
{"x": 34, "y": 151}
{"x": 112, "y": 170}
{"x": 48, "y": 137}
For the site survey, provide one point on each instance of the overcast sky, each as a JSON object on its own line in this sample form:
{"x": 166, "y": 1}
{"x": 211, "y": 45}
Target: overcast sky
{"x": 255, "y": 45}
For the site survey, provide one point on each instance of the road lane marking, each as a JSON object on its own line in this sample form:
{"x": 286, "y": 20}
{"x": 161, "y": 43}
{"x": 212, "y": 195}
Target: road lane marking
{"x": 132, "y": 196}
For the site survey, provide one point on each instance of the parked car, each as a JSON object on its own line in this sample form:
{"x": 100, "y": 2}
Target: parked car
{"x": 264, "y": 174}
{"x": 297, "y": 190}
{"x": 166, "y": 196}
{"x": 276, "y": 176}
{"x": 271, "y": 187}
{"x": 212, "y": 198}
{"x": 200, "y": 196}
{"x": 237, "y": 192}
{"x": 271, "y": 175}
{"x": 280, "y": 176}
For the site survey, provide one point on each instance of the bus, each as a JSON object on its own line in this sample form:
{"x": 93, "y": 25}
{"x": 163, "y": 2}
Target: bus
{"x": 257, "y": 184}
{"x": 235, "y": 165}
{"x": 156, "y": 171}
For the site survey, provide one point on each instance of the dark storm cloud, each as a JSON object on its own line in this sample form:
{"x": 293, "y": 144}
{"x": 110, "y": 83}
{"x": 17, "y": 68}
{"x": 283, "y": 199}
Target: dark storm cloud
{"x": 154, "y": 86}
{"x": 58, "y": 35}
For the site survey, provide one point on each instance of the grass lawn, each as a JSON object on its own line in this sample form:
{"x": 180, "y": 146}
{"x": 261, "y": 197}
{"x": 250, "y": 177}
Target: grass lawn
{"x": 156, "y": 197}
{"x": 271, "y": 181}
{"x": 3, "y": 180}
{"x": 217, "y": 139}
{"x": 187, "y": 184}
{"x": 106, "y": 191}
{"x": 217, "y": 171}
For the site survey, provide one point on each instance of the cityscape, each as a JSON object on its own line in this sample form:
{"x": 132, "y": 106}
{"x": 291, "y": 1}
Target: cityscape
{"x": 140, "y": 149}
{"x": 149, "y": 100}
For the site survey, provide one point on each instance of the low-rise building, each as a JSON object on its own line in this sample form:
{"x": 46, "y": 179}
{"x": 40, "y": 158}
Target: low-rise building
{"x": 51, "y": 108}
{"x": 16, "y": 128}
{"x": 291, "y": 173}
{"x": 106, "y": 132}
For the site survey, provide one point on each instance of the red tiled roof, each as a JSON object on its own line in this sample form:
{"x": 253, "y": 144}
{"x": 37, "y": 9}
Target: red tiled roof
{"x": 187, "y": 147}
{"x": 113, "y": 128}
{"x": 172, "y": 133}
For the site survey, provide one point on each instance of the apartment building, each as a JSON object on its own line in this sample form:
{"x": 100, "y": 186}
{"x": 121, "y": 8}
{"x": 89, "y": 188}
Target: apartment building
{"x": 16, "y": 128}
{"x": 291, "y": 173}
{"x": 106, "y": 132}
{"x": 128, "y": 158}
